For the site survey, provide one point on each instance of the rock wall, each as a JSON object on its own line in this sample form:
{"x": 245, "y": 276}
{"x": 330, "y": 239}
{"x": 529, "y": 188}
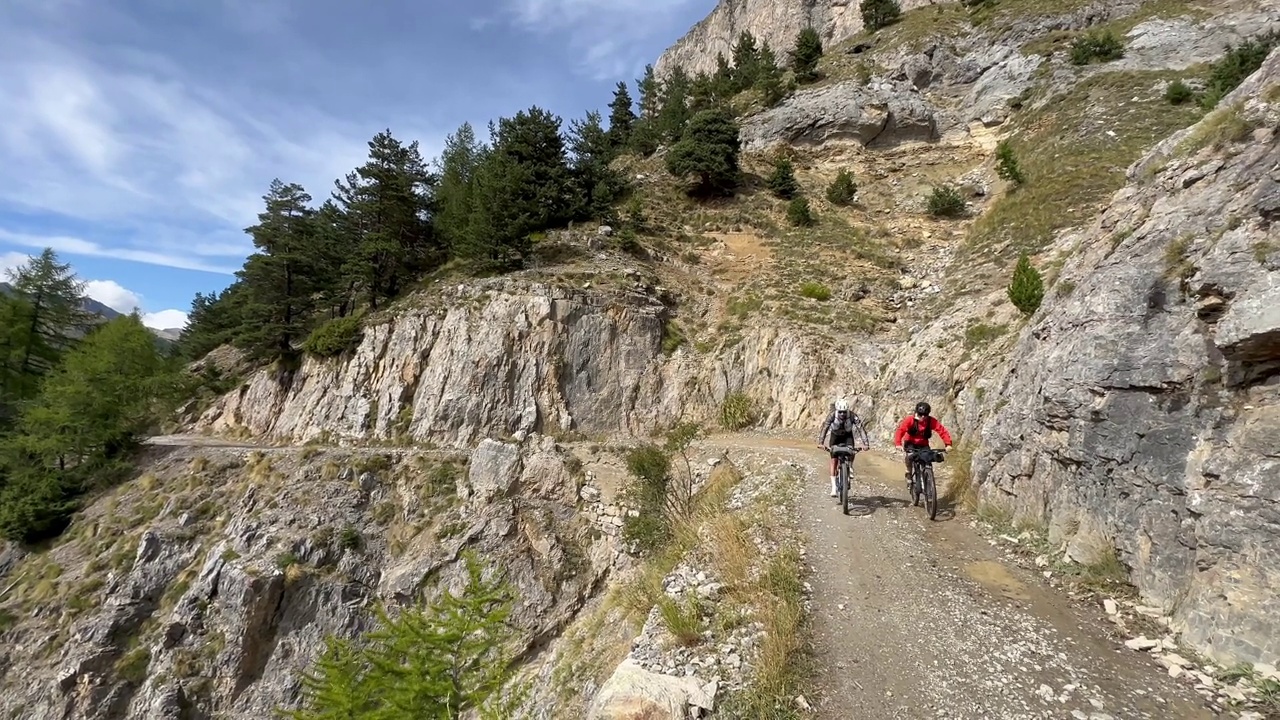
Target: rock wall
{"x": 776, "y": 23}
{"x": 1142, "y": 406}
{"x": 214, "y": 606}
{"x": 523, "y": 359}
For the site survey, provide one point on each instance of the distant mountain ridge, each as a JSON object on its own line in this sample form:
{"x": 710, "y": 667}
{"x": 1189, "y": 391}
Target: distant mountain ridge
{"x": 109, "y": 313}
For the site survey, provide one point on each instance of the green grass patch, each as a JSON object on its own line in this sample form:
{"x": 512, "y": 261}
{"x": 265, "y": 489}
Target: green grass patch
{"x": 1075, "y": 151}
{"x": 1220, "y": 128}
{"x": 815, "y": 291}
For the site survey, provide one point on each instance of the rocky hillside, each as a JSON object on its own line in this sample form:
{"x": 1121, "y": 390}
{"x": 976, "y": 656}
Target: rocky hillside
{"x": 776, "y": 23}
{"x": 1140, "y": 402}
{"x": 1124, "y": 419}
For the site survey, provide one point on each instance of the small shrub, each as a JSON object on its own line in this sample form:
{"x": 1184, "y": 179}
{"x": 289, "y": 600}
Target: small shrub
{"x": 1235, "y": 65}
{"x": 335, "y": 337}
{"x": 946, "y": 201}
{"x": 800, "y": 214}
{"x": 816, "y": 291}
{"x": 1178, "y": 92}
{"x": 1096, "y": 46}
{"x": 1177, "y": 264}
{"x": 877, "y": 14}
{"x": 1007, "y": 164}
{"x": 132, "y": 667}
{"x": 737, "y": 412}
{"x": 981, "y": 334}
{"x": 843, "y": 189}
{"x": 672, "y": 338}
{"x": 805, "y": 56}
{"x": 782, "y": 182}
{"x": 1026, "y": 290}
{"x": 350, "y": 538}
{"x": 684, "y": 621}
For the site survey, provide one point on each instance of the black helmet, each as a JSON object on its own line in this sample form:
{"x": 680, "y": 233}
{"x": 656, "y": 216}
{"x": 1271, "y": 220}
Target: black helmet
{"x": 922, "y": 408}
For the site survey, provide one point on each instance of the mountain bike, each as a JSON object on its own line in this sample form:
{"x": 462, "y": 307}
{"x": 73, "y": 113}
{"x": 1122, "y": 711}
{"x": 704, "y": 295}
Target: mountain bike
{"x": 922, "y": 481}
{"x": 844, "y": 455}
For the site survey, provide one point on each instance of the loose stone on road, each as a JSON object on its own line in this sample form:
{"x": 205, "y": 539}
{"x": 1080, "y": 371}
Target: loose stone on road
{"x": 920, "y": 619}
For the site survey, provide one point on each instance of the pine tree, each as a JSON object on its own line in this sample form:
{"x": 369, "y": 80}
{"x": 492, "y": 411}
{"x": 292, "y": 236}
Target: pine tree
{"x": 675, "y": 112}
{"x": 782, "y": 182}
{"x": 646, "y": 135}
{"x": 877, "y": 14}
{"x": 597, "y": 185}
{"x": 89, "y": 414}
{"x": 385, "y": 203}
{"x": 459, "y": 161}
{"x": 1007, "y": 164}
{"x": 524, "y": 186}
{"x": 439, "y": 662}
{"x": 279, "y": 278}
{"x": 805, "y": 55}
{"x": 1026, "y": 289}
{"x": 843, "y": 189}
{"x": 50, "y": 315}
{"x": 622, "y": 118}
{"x": 215, "y": 319}
{"x": 770, "y": 78}
{"x": 709, "y": 149}
{"x": 746, "y": 62}
{"x": 799, "y": 213}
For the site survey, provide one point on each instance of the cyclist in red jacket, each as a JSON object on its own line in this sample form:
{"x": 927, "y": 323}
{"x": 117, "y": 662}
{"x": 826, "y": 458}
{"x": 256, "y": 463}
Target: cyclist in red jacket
{"x": 914, "y": 432}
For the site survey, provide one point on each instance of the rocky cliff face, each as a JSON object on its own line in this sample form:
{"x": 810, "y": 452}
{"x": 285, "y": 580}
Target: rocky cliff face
{"x": 1141, "y": 406}
{"x": 776, "y": 23}
{"x": 212, "y": 603}
{"x": 522, "y": 358}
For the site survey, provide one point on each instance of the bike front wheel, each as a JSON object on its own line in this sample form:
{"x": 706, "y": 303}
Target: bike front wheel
{"x": 930, "y": 494}
{"x": 844, "y": 487}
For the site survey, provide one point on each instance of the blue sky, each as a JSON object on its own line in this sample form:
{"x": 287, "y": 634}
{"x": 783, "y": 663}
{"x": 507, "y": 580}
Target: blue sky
{"x": 138, "y": 136}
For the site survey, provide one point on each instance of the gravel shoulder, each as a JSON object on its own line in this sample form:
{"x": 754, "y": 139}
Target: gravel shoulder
{"x": 920, "y": 619}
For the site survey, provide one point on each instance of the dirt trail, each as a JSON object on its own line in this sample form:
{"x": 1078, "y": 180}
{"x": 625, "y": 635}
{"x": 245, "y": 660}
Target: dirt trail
{"x": 919, "y": 619}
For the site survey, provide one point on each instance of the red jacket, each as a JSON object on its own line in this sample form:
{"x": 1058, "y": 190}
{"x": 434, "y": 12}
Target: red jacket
{"x": 914, "y": 432}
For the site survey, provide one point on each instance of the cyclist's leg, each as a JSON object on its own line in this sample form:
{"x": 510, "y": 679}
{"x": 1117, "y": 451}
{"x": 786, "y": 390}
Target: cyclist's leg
{"x": 835, "y": 467}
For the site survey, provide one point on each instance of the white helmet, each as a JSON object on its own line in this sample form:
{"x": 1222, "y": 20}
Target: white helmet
{"x": 842, "y": 405}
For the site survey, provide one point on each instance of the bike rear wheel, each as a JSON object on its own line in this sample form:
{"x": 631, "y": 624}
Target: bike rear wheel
{"x": 930, "y": 494}
{"x": 844, "y": 486}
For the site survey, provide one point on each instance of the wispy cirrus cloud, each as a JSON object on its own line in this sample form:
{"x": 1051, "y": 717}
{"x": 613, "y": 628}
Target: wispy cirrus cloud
{"x": 614, "y": 39}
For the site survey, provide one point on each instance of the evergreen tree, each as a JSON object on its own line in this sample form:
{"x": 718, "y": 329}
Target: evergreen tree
{"x": 843, "y": 189}
{"x": 1026, "y": 289}
{"x": 51, "y": 313}
{"x": 385, "y": 203}
{"x": 457, "y": 166}
{"x": 782, "y": 182}
{"x": 89, "y": 414}
{"x": 1007, "y": 167}
{"x": 646, "y": 135}
{"x": 799, "y": 213}
{"x": 675, "y": 112}
{"x": 805, "y": 55}
{"x": 746, "y": 62}
{"x": 597, "y": 185}
{"x": 709, "y": 149}
{"x": 622, "y": 118}
{"x": 524, "y": 186}
{"x": 770, "y": 78}
{"x": 335, "y": 288}
{"x": 440, "y": 662}
{"x": 279, "y": 279}
{"x": 877, "y": 14}
{"x": 215, "y": 319}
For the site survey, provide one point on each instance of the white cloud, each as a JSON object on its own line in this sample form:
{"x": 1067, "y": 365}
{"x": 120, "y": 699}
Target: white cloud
{"x": 76, "y": 246}
{"x": 10, "y": 261}
{"x": 111, "y": 294}
{"x": 131, "y": 145}
{"x": 605, "y": 32}
{"x": 165, "y": 319}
